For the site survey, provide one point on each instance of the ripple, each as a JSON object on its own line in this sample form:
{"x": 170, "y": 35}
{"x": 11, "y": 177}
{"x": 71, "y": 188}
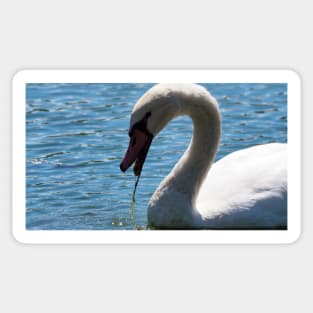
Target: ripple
{"x": 37, "y": 161}
{"x": 71, "y": 134}
{"x": 53, "y": 154}
{"x": 37, "y": 110}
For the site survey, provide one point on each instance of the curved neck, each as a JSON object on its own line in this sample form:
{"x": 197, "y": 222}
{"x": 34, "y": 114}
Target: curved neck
{"x": 195, "y": 163}
{"x": 174, "y": 201}
{"x": 188, "y": 174}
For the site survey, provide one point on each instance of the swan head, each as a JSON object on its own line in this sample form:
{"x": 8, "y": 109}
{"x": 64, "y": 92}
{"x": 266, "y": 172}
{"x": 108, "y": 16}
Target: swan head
{"x": 152, "y": 112}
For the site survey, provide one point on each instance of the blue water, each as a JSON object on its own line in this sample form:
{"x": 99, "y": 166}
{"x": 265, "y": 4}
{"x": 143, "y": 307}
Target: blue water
{"x": 77, "y": 135}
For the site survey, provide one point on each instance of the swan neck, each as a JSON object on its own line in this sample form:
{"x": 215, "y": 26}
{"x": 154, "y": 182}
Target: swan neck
{"x": 174, "y": 201}
{"x": 195, "y": 163}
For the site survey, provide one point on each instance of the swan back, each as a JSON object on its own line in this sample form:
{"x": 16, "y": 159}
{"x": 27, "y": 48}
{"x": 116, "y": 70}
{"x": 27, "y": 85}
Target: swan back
{"x": 247, "y": 188}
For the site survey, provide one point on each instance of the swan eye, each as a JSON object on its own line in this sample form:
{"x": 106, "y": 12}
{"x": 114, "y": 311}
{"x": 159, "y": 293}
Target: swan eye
{"x": 141, "y": 125}
{"x": 148, "y": 114}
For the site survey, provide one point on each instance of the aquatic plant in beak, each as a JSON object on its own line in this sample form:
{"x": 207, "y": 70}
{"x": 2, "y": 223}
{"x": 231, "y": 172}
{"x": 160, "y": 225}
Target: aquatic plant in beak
{"x": 139, "y": 144}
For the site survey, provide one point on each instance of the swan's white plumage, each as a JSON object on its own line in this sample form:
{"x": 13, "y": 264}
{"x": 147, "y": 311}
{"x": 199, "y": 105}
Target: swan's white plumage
{"x": 246, "y": 189}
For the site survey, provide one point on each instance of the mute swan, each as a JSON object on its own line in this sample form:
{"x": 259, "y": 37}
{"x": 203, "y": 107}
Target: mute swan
{"x": 247, "y": 189}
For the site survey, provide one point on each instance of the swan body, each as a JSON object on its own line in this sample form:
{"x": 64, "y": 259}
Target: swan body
{"x": 247, "y": 189}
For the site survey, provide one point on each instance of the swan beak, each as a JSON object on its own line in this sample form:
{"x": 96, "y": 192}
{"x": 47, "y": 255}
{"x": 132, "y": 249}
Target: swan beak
{"x": 137, "y": 151}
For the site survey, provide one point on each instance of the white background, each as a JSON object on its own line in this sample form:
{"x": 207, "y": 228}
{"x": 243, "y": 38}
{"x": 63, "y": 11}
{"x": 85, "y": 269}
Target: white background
{"x": 159, "y": 34}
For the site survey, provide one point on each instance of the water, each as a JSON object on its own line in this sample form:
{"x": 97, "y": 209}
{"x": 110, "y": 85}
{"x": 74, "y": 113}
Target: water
{"x": 77, "y": 135}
